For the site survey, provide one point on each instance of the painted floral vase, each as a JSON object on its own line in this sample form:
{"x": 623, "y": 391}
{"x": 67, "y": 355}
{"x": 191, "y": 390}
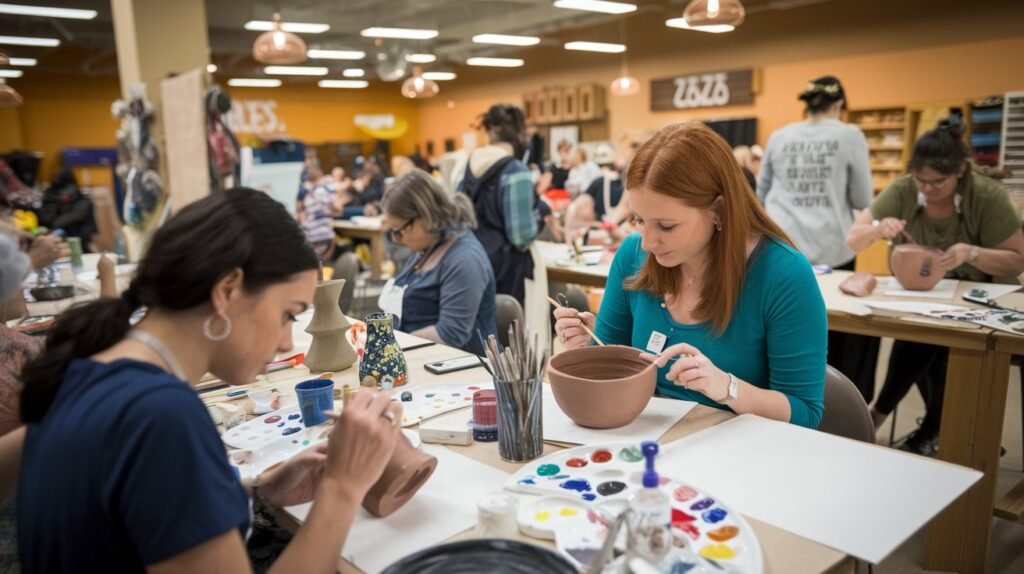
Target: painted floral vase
{"x": 382, "y": 358}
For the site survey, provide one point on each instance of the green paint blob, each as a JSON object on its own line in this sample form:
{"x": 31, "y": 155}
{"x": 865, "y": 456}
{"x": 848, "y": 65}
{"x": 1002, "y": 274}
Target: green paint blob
{"x": 631, "y": 454}
{"x": 548, "y": 469}
{"x": 305, "y": 443}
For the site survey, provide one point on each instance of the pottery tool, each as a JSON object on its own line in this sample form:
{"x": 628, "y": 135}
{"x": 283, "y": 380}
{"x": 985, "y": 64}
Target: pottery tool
{"x": 288, "y": 363}
{"x": 988, "y": 303}
{"x": 582, "y": 326}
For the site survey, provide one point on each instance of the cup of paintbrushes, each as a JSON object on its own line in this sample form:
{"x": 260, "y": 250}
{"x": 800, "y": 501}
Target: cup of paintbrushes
{"x": 520, "y": 428}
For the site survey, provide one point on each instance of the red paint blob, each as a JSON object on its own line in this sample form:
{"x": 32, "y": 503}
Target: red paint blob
{"x": 688, "y": 528}
{"x": 680, "y": 517}
{"x": 601, "y": 456}
{"x": 576, "y": 462}
{"x": 272, "y": 420}
{"x": 684, "y": 493}
{"x": 473, "y": 388}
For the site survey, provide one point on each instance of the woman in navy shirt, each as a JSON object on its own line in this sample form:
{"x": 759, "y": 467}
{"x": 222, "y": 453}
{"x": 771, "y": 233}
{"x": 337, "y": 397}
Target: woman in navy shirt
{"x": 122, "y": 469}
{"x": 445, "y": 292}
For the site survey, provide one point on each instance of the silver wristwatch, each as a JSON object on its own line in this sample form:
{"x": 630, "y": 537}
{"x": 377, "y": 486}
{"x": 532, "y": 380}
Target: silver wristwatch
{"x": 733, "y": 390}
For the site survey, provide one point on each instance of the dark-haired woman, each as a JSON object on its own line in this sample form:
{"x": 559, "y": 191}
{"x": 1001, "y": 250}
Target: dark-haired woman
{"x": 943, "y": 203}
{"x": 711, "y": 287}
{"x": 122, "y": 469}
{"x": 813, "y": 175}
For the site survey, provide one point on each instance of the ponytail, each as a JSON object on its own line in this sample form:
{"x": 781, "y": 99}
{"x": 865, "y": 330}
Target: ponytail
{"x": 465, "y": 211}
{"x": 943, "y": 148}
{"x": 79, "y": 332}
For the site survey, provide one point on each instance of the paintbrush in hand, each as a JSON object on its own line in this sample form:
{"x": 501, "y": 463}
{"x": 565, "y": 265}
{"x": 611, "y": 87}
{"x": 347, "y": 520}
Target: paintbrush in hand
{"x": 582, "y": 325}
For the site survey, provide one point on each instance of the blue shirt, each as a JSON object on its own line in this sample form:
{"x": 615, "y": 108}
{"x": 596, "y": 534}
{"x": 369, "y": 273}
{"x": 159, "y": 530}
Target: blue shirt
{"x": 456, "y": 296}
{"x": 126, "y": 470}
{"x": 777, "y": 337}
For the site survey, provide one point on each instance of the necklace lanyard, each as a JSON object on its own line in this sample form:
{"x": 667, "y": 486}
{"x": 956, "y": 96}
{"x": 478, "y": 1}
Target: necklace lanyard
{"x": 158, "y": 346}
{"x": 426, "y": 255}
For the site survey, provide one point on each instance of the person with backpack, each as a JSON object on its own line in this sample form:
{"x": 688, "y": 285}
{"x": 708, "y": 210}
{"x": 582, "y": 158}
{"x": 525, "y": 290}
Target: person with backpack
{"x": 500, "y": 188}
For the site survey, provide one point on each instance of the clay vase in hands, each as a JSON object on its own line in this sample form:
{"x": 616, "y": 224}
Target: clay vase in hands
{"x": 916, "y": 267}
{"x": 330, "y": 350}
{"x": 406, "y": 472}
{"x": 602, "y": 387}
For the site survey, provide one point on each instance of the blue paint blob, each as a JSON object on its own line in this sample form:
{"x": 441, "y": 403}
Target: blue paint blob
{"x": 527, "y": 481}
{"x": 577, "y": 484}
{"x": 280, "y": 424}
{"x": 682, "y": 567}
{"x": 558, "y": 477}
{"x": 714, "y": 515}
{"x": 291, "y": 430}
{"x": 293, "y": 417}
{"x": 703, "y": 504}
{"x": 589, "y": 496}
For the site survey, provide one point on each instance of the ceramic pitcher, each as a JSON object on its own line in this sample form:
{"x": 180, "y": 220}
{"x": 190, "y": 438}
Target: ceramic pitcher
{"x": 383, "y": 358}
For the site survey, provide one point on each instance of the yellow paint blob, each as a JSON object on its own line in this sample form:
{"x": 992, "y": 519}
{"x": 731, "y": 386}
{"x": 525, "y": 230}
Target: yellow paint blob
{"x": 542, "y": 516}
{"x": 567, "y": 512}
{"x": 717, "y": 552}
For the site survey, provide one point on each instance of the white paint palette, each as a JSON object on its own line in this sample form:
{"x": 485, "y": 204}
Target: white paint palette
{"x": 422, "y": 402}
{"x": 265, "y": 429}
{"x": 707, "y": 536}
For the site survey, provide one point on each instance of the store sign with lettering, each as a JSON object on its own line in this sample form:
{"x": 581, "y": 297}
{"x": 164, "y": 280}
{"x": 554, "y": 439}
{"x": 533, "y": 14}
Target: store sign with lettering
{"x": 255, "y": 117}
{"x": 705, "y": 90}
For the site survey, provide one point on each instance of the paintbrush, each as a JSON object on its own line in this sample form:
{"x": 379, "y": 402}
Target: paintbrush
{"x": 582, "y": 326}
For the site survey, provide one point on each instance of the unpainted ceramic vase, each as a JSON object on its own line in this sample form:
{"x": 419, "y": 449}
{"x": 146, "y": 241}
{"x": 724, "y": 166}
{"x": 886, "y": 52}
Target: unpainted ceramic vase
{"x": 916, "y": 267}
{"x": 407, "y": 471}
{"x": 602, "y": 387}
{"x": 330, "y": 350}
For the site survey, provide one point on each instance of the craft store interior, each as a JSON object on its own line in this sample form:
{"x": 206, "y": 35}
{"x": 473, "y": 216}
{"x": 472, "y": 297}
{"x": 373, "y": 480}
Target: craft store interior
{"x": 512, "y": 286}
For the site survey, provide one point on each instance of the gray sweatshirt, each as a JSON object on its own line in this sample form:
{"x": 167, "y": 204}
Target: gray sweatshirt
{"x": 814, "y": 174}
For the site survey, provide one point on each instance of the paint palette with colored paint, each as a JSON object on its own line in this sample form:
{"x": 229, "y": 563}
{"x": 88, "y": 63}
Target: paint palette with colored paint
{"x": 705, "y": 532}
{"x": 422, "y": 402}
{"x": 265, "y": 429}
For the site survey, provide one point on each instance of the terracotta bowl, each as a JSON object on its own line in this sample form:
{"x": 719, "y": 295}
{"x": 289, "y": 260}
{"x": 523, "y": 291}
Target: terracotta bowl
{"x": 916, "y": 267}
{"x": 602, "y": 387}
{"x": 407, "y": 471}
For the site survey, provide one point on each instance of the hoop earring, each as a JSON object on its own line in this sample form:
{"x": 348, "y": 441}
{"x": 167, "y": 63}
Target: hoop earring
{"x": 209, "y": 335}
{"x": 718, "y": 225}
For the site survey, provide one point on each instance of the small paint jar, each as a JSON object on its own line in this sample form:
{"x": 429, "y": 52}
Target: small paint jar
{"x": 496, "y": 515}
{"x": 485, "y": 408}
{"x": 484, "y": 433}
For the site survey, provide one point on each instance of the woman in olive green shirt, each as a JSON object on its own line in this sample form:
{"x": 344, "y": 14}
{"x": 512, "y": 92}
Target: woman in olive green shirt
{"x": 944, "y": 204}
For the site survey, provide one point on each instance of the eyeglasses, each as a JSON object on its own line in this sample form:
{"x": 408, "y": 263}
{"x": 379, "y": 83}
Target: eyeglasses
{"x": 932, "y": 183}
{"x": 396, "y": 234}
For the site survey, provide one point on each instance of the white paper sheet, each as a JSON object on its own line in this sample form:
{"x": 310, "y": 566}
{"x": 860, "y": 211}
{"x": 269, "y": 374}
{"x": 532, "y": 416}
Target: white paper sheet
{"x": 991, "y": 290}
{"x": 912, "y": 306}
{"x": 861, "y": 499}
{"x": 659, "y": 416}
{"x": 444, "y": 507}
{"x": 946, "y": 289}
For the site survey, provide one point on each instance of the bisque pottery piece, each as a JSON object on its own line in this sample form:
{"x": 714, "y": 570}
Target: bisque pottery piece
{"x": 383, "y": 358}
{"x": 916, "y": 267}
{"x": 406, "y": 472}
{"x": 602, "y": 387}
{"x": 330, "y": 351}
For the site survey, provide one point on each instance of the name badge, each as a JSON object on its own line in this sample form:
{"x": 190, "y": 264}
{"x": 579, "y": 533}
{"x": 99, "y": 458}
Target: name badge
{"x": 657, "y": 342}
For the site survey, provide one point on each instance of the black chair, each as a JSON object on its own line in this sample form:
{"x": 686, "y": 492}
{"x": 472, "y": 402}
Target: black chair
{"x": 507, "y": 310}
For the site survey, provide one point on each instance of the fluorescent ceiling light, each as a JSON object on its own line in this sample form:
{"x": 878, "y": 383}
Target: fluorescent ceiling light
{"x": 335, "y": 54}
{"x": 496, "y": 62}
{"x": 22, "y": 61}
{"x": 596, "y": 47}
{"x": 715, "y": 29}
{"x": 254, "y": 82}
{"x": 596, "y": 6}
{"x": 47, "y": 12}
{"x": 295, "y": 70}
{"x": 353, "y": 73}
{"x": 421, "y": 58}
{"x": 438, "y": 76}
{"x": 351, "y": 84}
{"x": 11, "y": 73}
{"x": 294, "y": 27}
{"x": 506, "y": 40}
{"x": 403, "y": 33}
{"x": 25, "y": 41}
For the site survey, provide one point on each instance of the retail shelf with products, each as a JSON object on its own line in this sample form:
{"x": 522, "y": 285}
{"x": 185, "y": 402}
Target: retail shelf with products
{"x": 1011, "y": 150}
{"x": 884, "y": 129}
{"x": 986, "y": 127}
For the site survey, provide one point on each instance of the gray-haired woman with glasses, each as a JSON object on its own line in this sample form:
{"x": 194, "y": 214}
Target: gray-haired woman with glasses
{"x": 445, "y": 291}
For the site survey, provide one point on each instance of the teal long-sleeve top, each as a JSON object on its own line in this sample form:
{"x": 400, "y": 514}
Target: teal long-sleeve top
{"x": 777, "y": 338}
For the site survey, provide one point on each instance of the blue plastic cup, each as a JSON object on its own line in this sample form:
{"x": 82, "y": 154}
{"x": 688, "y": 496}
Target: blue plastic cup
{"x": 315, "y": 396}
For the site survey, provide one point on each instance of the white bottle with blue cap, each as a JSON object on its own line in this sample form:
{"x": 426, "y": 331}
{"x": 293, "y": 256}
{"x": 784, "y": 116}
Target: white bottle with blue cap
{"x": 652, "y": 512}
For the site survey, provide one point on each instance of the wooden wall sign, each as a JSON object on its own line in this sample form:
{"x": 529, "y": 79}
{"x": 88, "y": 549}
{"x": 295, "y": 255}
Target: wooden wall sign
{"x": 704, "y": 90}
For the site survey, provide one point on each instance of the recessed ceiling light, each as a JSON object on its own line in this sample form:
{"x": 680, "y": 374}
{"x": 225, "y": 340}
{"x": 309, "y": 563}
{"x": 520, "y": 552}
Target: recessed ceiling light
{"x": 254, "y": 82}
{"x": 506, "y": 40}
{"x": 26, "y": 41}
{"x": 353, "y": 73}
{"x": 335, "y": 54}
{"x": 596, "y": 6}
{"x": 439, "y": 76}
{"x": 293, "y": 27}
{"x": 596, "y": 47}
{"x": 715, "y": 29}
{"x": 421, "y": 58}
{"x": 47, "y": 12}
{"x": 295, "y": 70}
{"x": 11, "y": 73}
{"x": 211, "y": 68}
{"x": 22, "y": 61}
{"x": 496, "y": 62}
{"x": 351, "y": 84}
{"x": 403, "y": 33}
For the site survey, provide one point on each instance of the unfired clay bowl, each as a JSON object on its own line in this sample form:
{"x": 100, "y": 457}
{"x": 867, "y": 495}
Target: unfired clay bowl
{"x": 406, "y": 472}
{"x": 916, "y": 267}
{"x": 602, "y": 387}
